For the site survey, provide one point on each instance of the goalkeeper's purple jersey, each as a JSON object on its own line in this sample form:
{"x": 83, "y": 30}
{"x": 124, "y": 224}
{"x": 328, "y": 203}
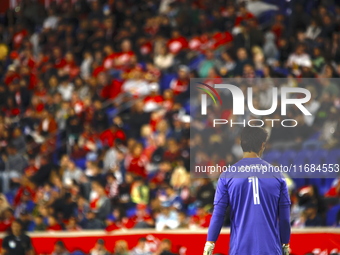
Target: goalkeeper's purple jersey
{"x": 254, "y": 203}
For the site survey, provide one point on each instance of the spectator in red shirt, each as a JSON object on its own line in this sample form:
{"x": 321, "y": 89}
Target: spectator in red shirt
{"x": 142, "y": 219}
{"x": 243, "y": 15}
{"x": 31, "y": 169}
{"x": 125, "y": 57}
{"x": 53, "y": 224}
{"x": 117, "y": 220}
{"x": 59, "y": 61}
{"x": 19, "y": 35}
{"x": 334, "y": 190}
{"x": 47, "y": 124}
{"x": 172, "y": 152}
{"x": 110, "y": 57}
{"x": 177, "y": 43}
{"x": 72, "y": 225}
{"x": 181, "y": 83}
{"x": 6, "y": 220}
{"x": 154, "y": 100}
{"x": 109, "y": 136}
{"x": 87, "y": 140}
{"x": 11, "y": 74}
{"x": 136, "y": 162}
{"x": 201, "y": 219}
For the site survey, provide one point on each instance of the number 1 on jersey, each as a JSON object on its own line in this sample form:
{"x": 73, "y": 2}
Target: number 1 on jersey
{"x": 255, "y": 182}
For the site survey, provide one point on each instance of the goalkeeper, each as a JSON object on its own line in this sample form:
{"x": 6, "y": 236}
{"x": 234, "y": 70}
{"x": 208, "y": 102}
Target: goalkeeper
{"x": 259, "y": 204}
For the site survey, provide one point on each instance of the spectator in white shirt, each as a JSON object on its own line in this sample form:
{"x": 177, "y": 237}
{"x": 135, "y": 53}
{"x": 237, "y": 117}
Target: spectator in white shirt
{"x": 136, "y": 86}
{"x": 65, "y": 89}
{"x": 299, "y": 58}
{"x": 72, "y": 172}
{"x": 141, "y": 248}
{"x": 164, "y": 60}
{"x": 51, "y": 22}
{"x": 167, "y": 219}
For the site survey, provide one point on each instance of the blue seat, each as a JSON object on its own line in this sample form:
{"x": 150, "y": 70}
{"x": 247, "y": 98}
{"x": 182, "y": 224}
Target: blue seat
{"x": 166, "y": 80}
{"x": 77, "y": 253}
{"x": 303, "y": 157}
{"x": 334, "y": 156}
{"x": 299, "y": 182}
{"x": 287, "y": 157}
{"x": 131, "y": 212}
{"x": 194, "y": 64}
{"x": 319, "y": 156}
{"x": 81, "y": 163}
{"x": 331, "y": 215}
{"x": 192, "y": 209}
{"x": 111, "y": 112}
{"x": 282, "y": 71}
{"x": 187, "y": 107}
{"x": 10, "y": 197}
{"x": 267, "y": 17}
{"x": 272, "y": 156}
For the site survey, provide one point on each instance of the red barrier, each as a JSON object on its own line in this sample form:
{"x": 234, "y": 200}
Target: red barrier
{"x": 326, "y": 240}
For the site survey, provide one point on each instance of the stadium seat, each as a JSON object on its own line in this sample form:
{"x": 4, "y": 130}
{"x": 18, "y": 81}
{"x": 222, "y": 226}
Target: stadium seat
{"x": 302, "y": 157}
{"x": 193, "y": 65}
{"x": 299, "y": 182}
{"x": 131, "y": 212}
{"x": 77, "y": 253}
{"x": 333, "y": 156}
{"x": 267, "y": 17}
{"x": 287, "y": 157}
{"x": 192, "y": 209}
{"x": 10, "y": 197}
{"x": 332, "y": 215}
{"x": 319, "y": 156}
{"x": 282, "y": 71}
{"x": 272, "y": 156}
{"x": 81, "y": 163}
{"x": 111, "y": 112}
{"x": 165, "y": 81}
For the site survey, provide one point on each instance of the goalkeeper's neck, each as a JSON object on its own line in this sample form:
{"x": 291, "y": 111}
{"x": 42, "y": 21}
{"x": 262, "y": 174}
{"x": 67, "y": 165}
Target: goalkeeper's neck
{"x": 250, "y": 155}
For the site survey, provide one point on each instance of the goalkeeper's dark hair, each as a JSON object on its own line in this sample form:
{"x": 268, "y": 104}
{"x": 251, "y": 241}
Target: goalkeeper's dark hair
{"x": 252, "y": 138}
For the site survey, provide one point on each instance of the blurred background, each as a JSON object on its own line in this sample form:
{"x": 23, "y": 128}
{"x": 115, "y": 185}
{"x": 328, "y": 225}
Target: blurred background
{"x": 95, "y": 114}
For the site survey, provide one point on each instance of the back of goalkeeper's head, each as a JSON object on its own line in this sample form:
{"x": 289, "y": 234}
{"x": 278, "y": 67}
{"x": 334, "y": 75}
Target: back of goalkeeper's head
{"x": 253, "y": 139}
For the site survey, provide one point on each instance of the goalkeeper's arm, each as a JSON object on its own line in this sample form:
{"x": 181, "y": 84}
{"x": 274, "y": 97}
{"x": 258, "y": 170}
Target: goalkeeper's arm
{"x": 221, "y": 202}
{"x": 284, "y": 221}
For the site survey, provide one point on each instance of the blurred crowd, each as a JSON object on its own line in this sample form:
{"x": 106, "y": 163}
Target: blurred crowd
{"x": 93, "y": 136}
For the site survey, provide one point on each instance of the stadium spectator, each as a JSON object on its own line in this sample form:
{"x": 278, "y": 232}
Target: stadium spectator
{"x": 121, "y": 248}
{"x": 39, "y": 223}
{"x": 201, "y": 219}
{"x": 163, "y": 59}
{"x": 4, "y": 205}
{"x": 142, "y": 219}
{"x": 60, "y": 249}
{"x": 99, "y": 248}
{"x": 181, "y": 83}
{"x": 91, "y": 222}
{"x": 141, "y": 248}
{"x": 53, "y": 224}
{"x": 17, "y": 242}
{"x": 72, "y": 224}
{"x": 312, "y": 218}
{"x": 167, "y": 218}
